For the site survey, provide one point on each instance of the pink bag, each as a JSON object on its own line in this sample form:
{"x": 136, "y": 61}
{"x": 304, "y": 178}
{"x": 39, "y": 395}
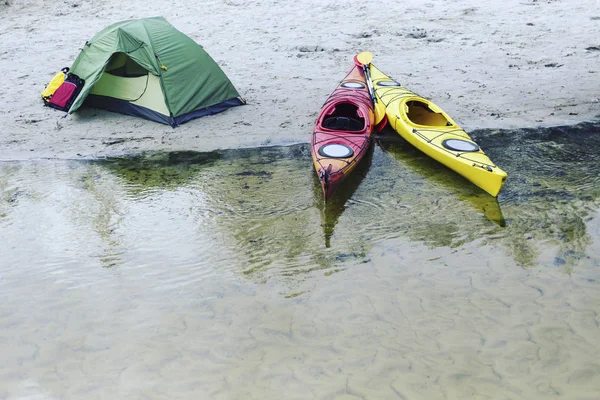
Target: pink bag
{"x": 67, "y": 92}
{"x": 63, "y": 94}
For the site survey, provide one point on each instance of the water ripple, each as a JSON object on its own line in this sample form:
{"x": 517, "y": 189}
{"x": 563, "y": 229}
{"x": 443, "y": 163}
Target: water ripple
{"x": 259, "y": 213}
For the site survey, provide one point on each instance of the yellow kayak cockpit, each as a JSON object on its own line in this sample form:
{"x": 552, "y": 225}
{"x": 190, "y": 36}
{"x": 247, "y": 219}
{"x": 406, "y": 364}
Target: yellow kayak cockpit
{"x": 423, "y": 113}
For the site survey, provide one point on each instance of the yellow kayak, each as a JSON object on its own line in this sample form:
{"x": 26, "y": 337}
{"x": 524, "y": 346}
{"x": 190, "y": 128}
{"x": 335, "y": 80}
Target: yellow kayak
{"x": 427, "y": 127}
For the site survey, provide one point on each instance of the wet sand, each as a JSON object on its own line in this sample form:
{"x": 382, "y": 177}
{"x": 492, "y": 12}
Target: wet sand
{"x": 502, "y": 65}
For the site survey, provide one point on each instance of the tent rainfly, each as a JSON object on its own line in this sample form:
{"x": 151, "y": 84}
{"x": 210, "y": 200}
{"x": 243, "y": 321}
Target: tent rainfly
{"x": 149, "y": 69}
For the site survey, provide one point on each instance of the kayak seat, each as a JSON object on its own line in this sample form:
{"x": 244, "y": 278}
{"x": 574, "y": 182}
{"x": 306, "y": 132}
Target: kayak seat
{"x": 342, "y": 124}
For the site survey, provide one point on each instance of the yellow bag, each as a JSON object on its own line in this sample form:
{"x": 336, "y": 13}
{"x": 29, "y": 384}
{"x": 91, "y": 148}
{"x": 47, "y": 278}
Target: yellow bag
{"x": 56, "y": 81}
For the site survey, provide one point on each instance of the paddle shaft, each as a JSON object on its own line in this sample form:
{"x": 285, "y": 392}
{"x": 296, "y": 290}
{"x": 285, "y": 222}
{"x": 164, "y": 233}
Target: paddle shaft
{"x": 369, "y": 84}
{"x": 364, "y": 60}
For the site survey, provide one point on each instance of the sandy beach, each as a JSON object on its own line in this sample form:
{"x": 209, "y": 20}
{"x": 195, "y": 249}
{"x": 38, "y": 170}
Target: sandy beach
{"x": 502, "y": 65}
{"x": 224, "y": 275}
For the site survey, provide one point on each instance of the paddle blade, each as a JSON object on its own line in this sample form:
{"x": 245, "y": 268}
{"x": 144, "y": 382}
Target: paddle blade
{"x": 379, "y": 113}
{"x": 382, "y": 123}
{"x": 363, "y": 58}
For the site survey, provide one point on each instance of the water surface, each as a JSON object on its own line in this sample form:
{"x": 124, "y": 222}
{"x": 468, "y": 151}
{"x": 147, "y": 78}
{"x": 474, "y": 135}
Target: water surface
{"x": 224, "y": 275}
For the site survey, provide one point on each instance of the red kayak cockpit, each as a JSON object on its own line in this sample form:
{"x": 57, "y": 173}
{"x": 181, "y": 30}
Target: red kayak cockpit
{"x": 345, "y": 117}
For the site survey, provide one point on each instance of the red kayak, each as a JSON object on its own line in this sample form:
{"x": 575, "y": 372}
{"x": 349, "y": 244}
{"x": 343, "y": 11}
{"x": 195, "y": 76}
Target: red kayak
{"x": 342, "y": 133}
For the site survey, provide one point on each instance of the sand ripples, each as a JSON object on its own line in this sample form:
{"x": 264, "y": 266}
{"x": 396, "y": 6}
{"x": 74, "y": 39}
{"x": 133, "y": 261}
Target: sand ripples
{"x": 183, "y": 268}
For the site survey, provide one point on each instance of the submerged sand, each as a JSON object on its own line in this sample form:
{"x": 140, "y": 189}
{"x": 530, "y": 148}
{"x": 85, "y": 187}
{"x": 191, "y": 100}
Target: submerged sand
{"x": 220, "y": 276}
{"x": 500, "y": 65}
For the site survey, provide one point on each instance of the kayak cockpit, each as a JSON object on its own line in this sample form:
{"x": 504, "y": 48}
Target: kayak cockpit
{"x": 420, "y": 113}
{"x": 344, "y": 117}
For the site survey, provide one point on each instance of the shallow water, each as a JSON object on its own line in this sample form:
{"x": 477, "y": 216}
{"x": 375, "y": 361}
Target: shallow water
{"x": 223, "y": 275}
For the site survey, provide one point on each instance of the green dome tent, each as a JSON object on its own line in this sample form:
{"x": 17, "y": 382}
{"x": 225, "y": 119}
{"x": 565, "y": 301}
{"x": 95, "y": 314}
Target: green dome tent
{"x": 149, "y": 69}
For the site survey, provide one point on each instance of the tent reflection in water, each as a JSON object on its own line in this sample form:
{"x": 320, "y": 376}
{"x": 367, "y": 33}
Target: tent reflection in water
{"x": 149, "y": 69}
